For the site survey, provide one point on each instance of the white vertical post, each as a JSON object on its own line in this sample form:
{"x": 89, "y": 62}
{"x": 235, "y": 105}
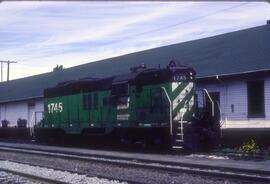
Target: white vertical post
{"x": 1, "y": 71}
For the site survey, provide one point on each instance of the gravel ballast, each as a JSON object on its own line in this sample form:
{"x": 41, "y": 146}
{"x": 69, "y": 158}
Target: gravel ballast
{"x": 122, "y": 173}
{"x": 61, "y": 176}
{"x": 9, "y": 178}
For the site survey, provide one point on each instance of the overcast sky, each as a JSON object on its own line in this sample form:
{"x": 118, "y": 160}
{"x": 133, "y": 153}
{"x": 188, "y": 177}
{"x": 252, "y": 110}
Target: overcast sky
{"x": 40, "y": 35}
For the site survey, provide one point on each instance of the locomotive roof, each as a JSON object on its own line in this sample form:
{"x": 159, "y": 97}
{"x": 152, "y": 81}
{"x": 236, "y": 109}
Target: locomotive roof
{"x": 88, "y": 84}
{"x": 77, "y": 86}
{"x": 245, "y": 51}
{"x": 144, "y": 76}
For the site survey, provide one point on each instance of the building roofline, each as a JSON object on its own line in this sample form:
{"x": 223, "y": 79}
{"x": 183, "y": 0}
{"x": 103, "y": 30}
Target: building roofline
{"x": 198, "y": 78}
{"x": 207, "y": 55}
{"x": 245, "y": 76}
{"x": 21, "y": 99}
{"x": 137, "y": 52}
{"x": 233, "y": 74}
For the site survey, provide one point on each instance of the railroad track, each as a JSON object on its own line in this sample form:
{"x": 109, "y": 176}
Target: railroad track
{"x": 33, "y": 178}
{"x": 50, "y": 179}
{"x": 206, "y": 170}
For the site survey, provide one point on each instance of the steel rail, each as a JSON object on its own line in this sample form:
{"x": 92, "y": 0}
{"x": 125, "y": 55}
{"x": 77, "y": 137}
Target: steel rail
{"x": 214, "y": 171}
{"x": 33, "y": 177}
{"x": 68, "y": 170}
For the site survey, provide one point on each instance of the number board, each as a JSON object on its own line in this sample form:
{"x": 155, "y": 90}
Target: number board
{"x": 179, "y": 77}
{"x": 55, "y": 107}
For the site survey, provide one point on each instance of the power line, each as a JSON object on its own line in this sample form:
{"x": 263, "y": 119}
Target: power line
{"x": 142, "y": 33}
{"x": 181, "y": 23}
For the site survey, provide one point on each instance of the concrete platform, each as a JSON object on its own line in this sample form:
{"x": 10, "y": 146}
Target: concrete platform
{"x": 199, "y": 160}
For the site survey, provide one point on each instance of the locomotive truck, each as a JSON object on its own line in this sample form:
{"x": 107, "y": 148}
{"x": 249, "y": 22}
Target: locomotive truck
{"x": 156, "y": 104}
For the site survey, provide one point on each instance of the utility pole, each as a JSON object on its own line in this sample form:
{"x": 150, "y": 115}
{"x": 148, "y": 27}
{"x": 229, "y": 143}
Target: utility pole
{"x": 1, "y": 72}
{"x": 8, "y": 63}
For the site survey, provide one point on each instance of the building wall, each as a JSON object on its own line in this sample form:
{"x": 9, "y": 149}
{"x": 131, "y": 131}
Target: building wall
{"x": 235, "y": 93}
{"x": 23, "y": 109}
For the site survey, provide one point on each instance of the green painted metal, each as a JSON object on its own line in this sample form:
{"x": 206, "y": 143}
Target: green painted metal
{"x": 140, "y": 108}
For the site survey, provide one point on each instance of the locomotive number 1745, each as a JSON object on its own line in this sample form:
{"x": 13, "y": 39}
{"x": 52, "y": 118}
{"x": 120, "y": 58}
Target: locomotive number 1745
{"x": 55, "y": 107}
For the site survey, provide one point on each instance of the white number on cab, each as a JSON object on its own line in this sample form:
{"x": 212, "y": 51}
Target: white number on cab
{"x": 55, "y": 107}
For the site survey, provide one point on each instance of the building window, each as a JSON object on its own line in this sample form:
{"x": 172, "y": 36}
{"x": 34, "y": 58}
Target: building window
{"x": 255, "y": 91}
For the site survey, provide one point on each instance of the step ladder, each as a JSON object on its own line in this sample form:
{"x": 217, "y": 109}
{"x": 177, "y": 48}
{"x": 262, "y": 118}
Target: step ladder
{"x": 178, "y": 135}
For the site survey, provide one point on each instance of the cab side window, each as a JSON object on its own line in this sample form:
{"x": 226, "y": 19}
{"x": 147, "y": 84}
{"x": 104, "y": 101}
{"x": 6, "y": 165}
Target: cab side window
{"x": 90, "y": 101}
{"x": 87, "y": 101}
{"x": 95, "y": 101}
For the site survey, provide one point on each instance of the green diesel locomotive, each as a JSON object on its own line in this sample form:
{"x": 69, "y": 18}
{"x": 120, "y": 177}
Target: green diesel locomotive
{"x": 145, "y": 104}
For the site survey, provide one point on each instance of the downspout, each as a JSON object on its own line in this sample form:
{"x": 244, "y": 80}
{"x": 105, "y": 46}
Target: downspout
{"x": 226, "y": 104}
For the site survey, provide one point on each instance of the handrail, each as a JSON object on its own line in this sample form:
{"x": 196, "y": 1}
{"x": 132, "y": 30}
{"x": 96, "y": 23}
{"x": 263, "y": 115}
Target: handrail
{"x": 32, "y": 124}
{"x": 212, "y": 102}
{"x": 182, "y": 127}
{"x": 170, "y": 102}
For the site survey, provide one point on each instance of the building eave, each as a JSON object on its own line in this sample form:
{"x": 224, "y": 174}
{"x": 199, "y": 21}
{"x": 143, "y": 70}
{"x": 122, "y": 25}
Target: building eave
{"x": 21, "y": 99}
{"x": 233, "y": 74}
{"x": 204, "y": 79}
{"x": 247, "y": 75}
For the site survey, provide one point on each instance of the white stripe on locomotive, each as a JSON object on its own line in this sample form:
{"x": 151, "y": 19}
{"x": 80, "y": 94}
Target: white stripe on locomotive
{"x": 182, "y": 95}
{"x": 175, "y": 85}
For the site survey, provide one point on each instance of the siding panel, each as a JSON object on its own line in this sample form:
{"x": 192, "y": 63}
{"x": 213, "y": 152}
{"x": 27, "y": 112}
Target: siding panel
{"x": 235, "y": 93}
